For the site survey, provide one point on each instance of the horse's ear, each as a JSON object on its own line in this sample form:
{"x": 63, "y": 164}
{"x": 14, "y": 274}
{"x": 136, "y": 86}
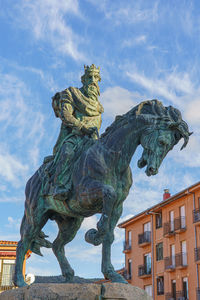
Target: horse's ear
{"x": 190, "y": 133}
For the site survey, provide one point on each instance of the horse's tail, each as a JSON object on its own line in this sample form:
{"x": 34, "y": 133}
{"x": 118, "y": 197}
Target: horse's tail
{"x": 32, "y": 191}
{"x": 39, "y": 242}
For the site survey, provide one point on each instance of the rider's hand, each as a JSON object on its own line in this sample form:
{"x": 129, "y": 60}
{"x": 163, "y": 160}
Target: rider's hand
{"x": 88, "y": 131}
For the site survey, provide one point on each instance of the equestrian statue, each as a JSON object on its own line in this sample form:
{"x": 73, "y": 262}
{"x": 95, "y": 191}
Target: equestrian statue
{"x": 88, "y": 174}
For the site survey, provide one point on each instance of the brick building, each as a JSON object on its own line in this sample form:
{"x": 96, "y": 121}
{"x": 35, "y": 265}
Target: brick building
{"x": 7, "y": 263}
{"x": 162, "y": 247}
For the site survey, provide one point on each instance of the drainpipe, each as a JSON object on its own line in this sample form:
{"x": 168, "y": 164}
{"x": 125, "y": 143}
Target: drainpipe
{"x": 152, "y": 251}
{"x": 195, "y": 234}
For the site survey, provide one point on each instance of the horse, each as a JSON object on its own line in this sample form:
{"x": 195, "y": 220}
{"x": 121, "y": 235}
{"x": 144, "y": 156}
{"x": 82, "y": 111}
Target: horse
{"x": 101, "y": 180}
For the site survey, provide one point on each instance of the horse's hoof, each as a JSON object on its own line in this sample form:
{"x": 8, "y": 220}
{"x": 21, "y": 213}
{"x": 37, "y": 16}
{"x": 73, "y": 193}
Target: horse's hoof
{"x": 92, "y": 237}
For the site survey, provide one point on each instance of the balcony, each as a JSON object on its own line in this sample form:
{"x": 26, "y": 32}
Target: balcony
{"x": 197, "y": 255}
{"x": 6, "y": 288}
{"x": 173, "y": 227}
{"x": 170, "y": 263}
{"x": 181, "y": 260}
{"x": 144, "y": 238}
{"x": 168, "y": 229}
{"x": 169, "y": 296}
{"x": 144, "y": 271}
{"x": 180, "y": 295}
{"x": 196, "y": 215}
{"x": 179, "y": 224}
{"x": 127, "y": 275}
{"x": 198, "y": 294}
{"x": 127, "y": 246}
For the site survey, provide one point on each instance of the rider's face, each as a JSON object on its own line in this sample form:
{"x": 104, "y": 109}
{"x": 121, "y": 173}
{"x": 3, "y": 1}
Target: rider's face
{"x": 91, "y": 82}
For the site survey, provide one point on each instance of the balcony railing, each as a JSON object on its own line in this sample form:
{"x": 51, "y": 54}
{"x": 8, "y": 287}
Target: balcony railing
{"x": 144, "y": 271}
{"x": 169, "y": 296}
{"x": 168, "y": 228}
{"x": 127, "y": 275}
{"x": 6, "y": 287}
{"x": 144, "y": 238}
{"x": 181, "y": 260}
{"x": 196, "y": 215}
{"x": 197, "y": 254}
{"x": 180, "y": 295}
{"x": 198, "y": 294}
{"x": 177, "y": 225}
{"x": 127, "y": 246}
{"x": 170, "y": 262}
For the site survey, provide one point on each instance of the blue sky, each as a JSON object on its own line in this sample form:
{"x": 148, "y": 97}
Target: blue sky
{"x": 146, "y": 49}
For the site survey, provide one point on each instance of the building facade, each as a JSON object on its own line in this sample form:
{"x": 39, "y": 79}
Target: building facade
{"x": 162, "y": 247}
{"x": 7, "y": 263}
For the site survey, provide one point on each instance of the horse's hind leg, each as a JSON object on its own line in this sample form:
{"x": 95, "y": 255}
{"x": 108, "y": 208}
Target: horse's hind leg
{"x": 68, "y": 228}
{"x": 28, "y": 233}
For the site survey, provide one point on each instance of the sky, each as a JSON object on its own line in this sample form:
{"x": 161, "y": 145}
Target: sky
{"x": 146, "y": 49}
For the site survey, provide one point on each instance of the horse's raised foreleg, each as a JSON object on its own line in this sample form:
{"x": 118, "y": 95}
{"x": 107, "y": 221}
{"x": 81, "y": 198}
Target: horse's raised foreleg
{"x": 68, "y": 228}
{"x": 106, "y": 266}
{"x": 108, "y": 196}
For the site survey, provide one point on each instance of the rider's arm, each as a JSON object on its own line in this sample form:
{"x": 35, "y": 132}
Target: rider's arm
{"x": 67, "y": 117}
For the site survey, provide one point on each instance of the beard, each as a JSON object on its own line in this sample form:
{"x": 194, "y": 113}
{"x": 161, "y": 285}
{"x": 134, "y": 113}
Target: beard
{"x": 92, "y": 90}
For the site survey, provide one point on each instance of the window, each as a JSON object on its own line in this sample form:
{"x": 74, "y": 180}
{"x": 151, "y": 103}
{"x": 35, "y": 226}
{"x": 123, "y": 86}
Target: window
{"x": 148, "y": 289}
{"x": 184, "y": 253}
{"x": 182, "y": 215}
{"x": 160, "y": 285}
{"x": 159, "y": 251}
{"x": 172, "y": 253}
{"x": 159, "y": 220}
{"x": 147, "y": 226}
{"x": 129, "y": 269}
{"x": 129, "y": 238}
{"x": 171, "y": 218}
{"x": 7, "y": 272}
{"x": 147, "y": 263}
{"x": 185, "y": 288}
{"x": 174, "y": 289}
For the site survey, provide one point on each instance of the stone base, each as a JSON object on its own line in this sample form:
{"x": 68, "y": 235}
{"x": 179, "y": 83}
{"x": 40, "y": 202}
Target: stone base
{"x": 74, "y": 291}
{"x": 71, "y": 291}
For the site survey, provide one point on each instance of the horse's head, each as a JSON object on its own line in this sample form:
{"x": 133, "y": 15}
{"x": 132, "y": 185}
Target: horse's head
{"x": 159, "y": 137}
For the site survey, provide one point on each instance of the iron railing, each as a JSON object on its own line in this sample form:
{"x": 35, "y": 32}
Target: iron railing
{"x": 178, "y": 224}
{"x": 198, "y": 294}
{"x": 197, "y": 254}
{"x": 127, "y": 275}
{"x": 144, "y": 270}
{"x": 169, "y": 296}
{"x": 196, "y": 215}
{"x": 127, "y": 246}
{"x": 181, "y": 259}
{"x": 144, "y": 237}
{"x": 170, "y": 262}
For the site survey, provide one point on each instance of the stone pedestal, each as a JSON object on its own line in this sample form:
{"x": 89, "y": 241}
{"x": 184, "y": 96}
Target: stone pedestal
{"x": 74, "y": 291}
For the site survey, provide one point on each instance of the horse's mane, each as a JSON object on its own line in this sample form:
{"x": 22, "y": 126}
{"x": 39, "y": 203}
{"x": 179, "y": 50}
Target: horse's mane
{"x": 151, "y": 109}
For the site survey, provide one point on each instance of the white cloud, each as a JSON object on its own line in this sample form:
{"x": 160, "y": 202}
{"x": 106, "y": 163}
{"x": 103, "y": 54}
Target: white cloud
{"x": 13, "y": 223}
{"x": 11, "y": 169}
{"x": 89, "y": 223}
{"x": 47, "y": 21}
{"x": 117, "y": 100}
{"x": 132, "y": 12}
{"x": 141, "y": 39}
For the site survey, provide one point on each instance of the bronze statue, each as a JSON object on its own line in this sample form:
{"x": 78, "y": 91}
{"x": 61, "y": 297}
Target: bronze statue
{"x": 100, "y": 180}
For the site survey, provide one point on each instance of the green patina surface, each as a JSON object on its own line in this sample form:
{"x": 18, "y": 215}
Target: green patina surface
{"x": 88, "y": 175}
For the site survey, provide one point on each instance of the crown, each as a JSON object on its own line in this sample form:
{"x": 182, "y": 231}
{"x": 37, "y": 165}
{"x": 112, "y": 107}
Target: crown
{"x": 92, "y": 68}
